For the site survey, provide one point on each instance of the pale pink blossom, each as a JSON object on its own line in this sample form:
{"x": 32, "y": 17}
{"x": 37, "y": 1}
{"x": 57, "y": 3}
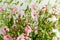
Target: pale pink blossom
{"x": 7, "y": 38}
{"x": 14, "y": 10}
{"x": 28, "y": 30}
{"x": 32, "y": 5}
{"x": 4, "y": 29}
{"x": 44, "y": 9}
{"x": 21, "y": 37}
{"x": 1, "y": 9}
{"x": 21, "y": 14}
{"x": 14, "y": 26}
{"x": 14, "y": 38}
{"x": 3, "y": 32}
{"x": 26, "y": 37}
{"x": 34, "y": 15}
{"x": 54, "y": 18}
{"x": 36, "y": 29}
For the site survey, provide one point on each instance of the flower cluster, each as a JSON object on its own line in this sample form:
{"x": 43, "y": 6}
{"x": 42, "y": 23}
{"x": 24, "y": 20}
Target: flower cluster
{"x": 29, "y": 19}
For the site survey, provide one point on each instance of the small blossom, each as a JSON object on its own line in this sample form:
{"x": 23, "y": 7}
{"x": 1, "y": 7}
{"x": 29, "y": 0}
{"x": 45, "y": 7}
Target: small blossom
{"x": 29, "y": 24}
{"x": 54, "y": 18}
{"x": 32, "y": 5}
{"x": 4, "y": 29}
{"x": 34, "y": 15}
{"x": 57, "y": 32}
{"x": 3, "y": 32}
{"x": 14, "y": 10}
{"x": 14, "y": 26}
{"x": 54, "y": 38}
{"x": 36, "y": 29}
{"x": 27, "y": 30}
{"x": 7, "y": 38}
{"x": 44, "y": 9}
{"x": 1, "y": 9}
{"x": 21, "y": 37}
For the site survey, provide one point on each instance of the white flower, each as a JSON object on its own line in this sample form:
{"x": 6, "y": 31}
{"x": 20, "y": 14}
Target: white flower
{"x": 53, "y": 18}
{"x": 54, "y": 38}
{"x": 57, "y": 32}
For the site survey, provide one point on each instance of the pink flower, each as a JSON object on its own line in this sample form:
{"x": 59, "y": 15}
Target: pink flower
{"x": 14, "y": 26}
{"x": 28, "y": 30}
{"x": 21, "y": 37}
{"x": 4, "y": 29}
{"x": 14, "y": 38}
{"x": 54, "y": 19}
{"x": 14, "y": 10}
{"x": 32, "y": 5}
{"x": 34, "y": 15}
{"x": 3, "y": 32}
{"x": 1, "y": 9}
{"x": 7, "y": 38}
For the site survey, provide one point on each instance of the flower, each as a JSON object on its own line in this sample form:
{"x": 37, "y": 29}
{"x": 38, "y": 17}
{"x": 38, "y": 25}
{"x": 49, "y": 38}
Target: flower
{"x": 1, "y": 9}
{"x": 57, "y": 32}
{"x": 3, "y": 32}
{"x": 36, "y": 29}
{"x": 7, "y": 38}
{"x": 27, "y": 30}
{"x": 54, "y": 38}
{"x": 21, "y": 37}
{"x": 32, "y": 5}
{"x": 54, "y": 18}
{"x": 14, "y": 10}
{"x": 44, "y": 9}
{"x": 54, "y": 11}
{"x": 34, "y": 15}
{"x": 4, "y": 29}
{"x": 14, "y": 26}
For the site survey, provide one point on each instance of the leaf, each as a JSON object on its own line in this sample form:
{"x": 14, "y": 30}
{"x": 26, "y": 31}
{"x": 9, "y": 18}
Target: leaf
{"x": 10, "y": 23}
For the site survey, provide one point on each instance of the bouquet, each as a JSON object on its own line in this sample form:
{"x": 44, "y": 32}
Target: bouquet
{"x": 29, "y": 20}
